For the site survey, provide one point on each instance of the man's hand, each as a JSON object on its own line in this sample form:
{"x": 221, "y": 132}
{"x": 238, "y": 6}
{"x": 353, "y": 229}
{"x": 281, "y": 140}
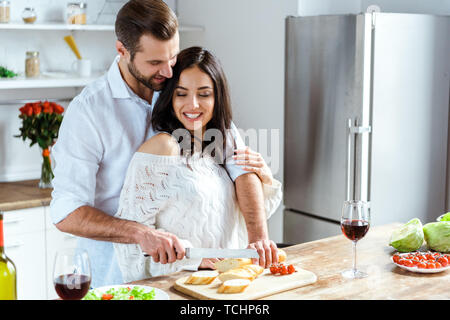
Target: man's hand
{"x": 253, "y": 162}
{"x": 208, "y": 263}
{"x": 89, "y": 222}
{"x": 164, "y": 247}
{"x": 268, "y": 252}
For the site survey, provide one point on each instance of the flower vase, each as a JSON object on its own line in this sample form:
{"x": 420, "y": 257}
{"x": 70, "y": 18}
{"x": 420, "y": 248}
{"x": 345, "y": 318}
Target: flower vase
{"x": 46, "y": 171}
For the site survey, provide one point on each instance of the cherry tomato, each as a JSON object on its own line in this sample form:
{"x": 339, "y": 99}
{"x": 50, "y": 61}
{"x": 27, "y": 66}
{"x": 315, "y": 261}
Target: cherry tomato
{"x": 401, "y": 261}
{"x": 273, "y": 269}
{"x": 284, "y": 270}
{"x": 106, "y": 296}
{"x": 131, "y": 298}
{"x": 414, "y": 263}
{"x": 410, "y": 263}
{"x": 291, "y": 269}
{"x": 443, "y": 261}
{"x": 430, "y": 265}
{"x": 279, "y": 268}
{"x": 438, "y": 265}
{"x": 396, "y": 258}
{"x": 422, "y": 265}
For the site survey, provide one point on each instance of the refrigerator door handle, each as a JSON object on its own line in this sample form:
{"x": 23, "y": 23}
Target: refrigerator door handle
{"x": 349, "y": 160}
{"x": 352, "y": 131}
{"x": 360, "y": 130}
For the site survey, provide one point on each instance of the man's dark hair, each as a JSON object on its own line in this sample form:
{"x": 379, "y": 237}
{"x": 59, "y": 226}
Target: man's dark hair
{"x": 139, "y": 17}
{"x": 163, "y": 115}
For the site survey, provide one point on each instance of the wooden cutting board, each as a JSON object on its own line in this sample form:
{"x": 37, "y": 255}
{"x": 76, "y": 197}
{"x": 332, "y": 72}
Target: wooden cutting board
{"x": 265, "y": 285}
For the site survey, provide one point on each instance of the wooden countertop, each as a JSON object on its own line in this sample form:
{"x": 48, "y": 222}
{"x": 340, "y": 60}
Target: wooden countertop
{"x": 23, "y": 194}
{"x": 328, "y": 257}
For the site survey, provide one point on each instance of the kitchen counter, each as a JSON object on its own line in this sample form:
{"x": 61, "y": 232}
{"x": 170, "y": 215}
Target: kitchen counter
{"x": 23, "y": 194}
{"x": 329, "y": 256}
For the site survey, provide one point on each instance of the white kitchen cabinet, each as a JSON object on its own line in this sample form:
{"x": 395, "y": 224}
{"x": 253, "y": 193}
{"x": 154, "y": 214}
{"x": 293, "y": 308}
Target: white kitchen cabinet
{"x": 31, "y": 241}
{"x": 24, "y": 232}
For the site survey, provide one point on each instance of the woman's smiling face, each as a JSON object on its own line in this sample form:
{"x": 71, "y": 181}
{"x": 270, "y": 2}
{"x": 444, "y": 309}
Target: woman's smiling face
{"x": 193, "y": 99}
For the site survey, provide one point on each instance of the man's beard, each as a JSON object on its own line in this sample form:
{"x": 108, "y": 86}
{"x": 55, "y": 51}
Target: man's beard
{"x": 145, "y": 81}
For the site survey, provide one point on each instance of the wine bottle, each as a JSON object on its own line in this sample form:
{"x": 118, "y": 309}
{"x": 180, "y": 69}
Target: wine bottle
{"x": 8, "y": 289}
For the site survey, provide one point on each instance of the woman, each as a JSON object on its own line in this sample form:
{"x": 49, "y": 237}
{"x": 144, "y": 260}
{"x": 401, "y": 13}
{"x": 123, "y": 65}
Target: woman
{"x": 176, "y": 181}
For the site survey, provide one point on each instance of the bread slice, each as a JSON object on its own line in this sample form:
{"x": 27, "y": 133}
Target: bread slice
{"x": 202, "y": 277}
{"x": 233, "y": 263}
{"x": 249, "y": 272}
{"x": 254, "y": 268}
{"x": 234, "y": 286}
{"x": 238, "y": 273}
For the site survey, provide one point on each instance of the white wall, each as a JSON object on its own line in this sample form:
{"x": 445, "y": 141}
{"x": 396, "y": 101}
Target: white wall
{"x": 324, "y": 7}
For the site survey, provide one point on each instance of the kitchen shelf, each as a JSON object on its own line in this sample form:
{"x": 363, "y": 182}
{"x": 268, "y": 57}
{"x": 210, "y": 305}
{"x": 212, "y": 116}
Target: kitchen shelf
{"x": 60, "y": 81}
{"x": 55, "y": 26}
{"x": 74, "y": 27}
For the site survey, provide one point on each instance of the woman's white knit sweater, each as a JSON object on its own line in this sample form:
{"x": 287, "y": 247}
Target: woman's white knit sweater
{"x": 191, "y": 197}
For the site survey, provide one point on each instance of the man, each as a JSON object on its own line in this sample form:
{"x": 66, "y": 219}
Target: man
{"x": 103, "y": 127}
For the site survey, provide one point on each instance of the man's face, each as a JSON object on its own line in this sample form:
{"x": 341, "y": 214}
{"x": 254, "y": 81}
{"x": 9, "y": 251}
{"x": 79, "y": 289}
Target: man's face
{"x": 153, "y": 62}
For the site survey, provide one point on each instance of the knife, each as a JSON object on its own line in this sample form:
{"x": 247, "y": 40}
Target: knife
{"x": 219, "y": 253}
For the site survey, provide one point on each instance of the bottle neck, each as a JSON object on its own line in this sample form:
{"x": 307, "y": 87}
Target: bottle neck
{"x": 1, "y": 235}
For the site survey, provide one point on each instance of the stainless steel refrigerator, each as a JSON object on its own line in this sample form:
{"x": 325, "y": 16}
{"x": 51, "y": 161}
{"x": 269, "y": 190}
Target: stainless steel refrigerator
{"x": 366, "y": 117}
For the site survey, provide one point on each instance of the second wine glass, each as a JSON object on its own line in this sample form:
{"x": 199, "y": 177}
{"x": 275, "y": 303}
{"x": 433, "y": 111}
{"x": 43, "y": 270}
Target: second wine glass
{"x": 72, "y": 274}
{"x": 355, "y": 222}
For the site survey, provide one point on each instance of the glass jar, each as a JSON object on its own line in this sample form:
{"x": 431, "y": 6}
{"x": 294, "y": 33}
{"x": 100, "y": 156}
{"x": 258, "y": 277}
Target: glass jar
{"x": 5, "y": 11}
{"x": 32, "y": 64}
{"x": 29, "y": 15}
{"x": 76, "y": 13}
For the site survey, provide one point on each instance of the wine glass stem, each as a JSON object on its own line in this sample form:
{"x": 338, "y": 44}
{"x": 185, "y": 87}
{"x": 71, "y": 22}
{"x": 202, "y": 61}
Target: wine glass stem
{"x": 354, "y": 256}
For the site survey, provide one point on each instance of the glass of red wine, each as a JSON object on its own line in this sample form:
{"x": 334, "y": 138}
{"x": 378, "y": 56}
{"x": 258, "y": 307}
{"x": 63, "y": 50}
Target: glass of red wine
{"x": 355, "y": 222}
{"x": 72, "y": 274}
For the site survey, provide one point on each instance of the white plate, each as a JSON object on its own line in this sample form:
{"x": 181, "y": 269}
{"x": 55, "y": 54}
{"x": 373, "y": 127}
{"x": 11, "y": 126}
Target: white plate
{"x": 416, "y": 269}
{"x": 159, "y": 294}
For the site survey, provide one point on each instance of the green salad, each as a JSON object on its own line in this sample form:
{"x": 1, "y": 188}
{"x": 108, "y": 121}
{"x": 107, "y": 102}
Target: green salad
{"x": 121, "y": 293}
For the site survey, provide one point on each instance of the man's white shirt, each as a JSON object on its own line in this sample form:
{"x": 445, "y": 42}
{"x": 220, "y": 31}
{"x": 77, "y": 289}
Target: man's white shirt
{"x": 102, "y": 128}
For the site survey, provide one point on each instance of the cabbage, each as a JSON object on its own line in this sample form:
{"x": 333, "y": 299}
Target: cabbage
{"x": 445, "y": 217}
{"x": 408, "y": 237}
{"x": 437, "y": 235}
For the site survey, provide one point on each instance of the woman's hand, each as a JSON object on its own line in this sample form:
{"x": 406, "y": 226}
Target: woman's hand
{"x": 253, "y": 162}
{"x": 208, "y": 263}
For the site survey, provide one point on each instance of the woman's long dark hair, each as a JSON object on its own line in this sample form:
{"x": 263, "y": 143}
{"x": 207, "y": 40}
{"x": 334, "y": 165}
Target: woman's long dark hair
{"x": 163, "y": 115}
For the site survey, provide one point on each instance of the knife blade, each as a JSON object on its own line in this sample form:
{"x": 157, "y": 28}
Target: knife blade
{"x": 220, "y": 253}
